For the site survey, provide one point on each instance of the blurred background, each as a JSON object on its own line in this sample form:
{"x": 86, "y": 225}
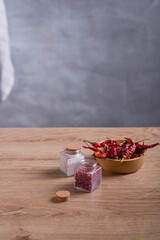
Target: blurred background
{"x": 83, "y": 63}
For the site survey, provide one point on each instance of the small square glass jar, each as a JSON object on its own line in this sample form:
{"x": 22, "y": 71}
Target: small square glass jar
{"x": 88, "y": 175}
{"x": 70, "y": 160}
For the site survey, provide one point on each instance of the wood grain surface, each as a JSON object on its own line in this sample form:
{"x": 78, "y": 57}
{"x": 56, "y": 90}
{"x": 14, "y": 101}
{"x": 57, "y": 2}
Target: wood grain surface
{"x": 123, "y": 208}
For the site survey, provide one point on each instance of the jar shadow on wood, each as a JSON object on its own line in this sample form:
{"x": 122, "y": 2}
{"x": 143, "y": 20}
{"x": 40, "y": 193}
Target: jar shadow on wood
{"x": 106, "y": 174}
{"x": 52, "y": 173}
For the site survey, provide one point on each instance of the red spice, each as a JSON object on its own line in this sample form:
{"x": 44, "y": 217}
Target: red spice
{"x": 88, "y": 176}
{"x": 146, "y": 146}
{"x": 93, "y": 149}
{"x": 118, "y": 150}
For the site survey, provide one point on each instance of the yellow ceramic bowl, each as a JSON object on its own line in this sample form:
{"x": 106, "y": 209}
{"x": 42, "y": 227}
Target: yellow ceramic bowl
{"x": 126, "y": 166}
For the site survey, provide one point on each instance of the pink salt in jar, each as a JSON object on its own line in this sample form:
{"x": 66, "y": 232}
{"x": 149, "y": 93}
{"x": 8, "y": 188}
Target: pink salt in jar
{"x": 88, "y": 175}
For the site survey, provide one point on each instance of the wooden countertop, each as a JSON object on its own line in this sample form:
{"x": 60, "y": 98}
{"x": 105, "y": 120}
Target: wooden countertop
{"x": 123, "y": 208}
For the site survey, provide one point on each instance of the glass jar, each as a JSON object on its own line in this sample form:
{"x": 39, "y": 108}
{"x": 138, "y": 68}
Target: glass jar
{"x": 70, "y": 158}
{"x": 88, "y": 175}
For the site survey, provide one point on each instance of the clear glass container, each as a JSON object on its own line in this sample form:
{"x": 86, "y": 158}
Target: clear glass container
{"x": 88, "y": 175}
{"x": 69, "y": 160}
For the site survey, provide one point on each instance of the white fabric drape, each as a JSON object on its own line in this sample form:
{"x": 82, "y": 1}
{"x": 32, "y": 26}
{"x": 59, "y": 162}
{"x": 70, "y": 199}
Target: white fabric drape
{"x": 6, "y": 67}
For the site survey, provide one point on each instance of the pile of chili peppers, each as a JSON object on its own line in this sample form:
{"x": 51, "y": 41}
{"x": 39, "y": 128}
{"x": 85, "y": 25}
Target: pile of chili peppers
{"x": 127, "y": 149}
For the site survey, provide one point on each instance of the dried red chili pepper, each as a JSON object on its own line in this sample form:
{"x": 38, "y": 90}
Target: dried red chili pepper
{"x": 126, "y": 145}
{"x": 128, "y": 153}
{"x": 112, "y": 144}
{"x": 93, "y": 149}
{"x": 102, "y": 144}
{"x": 95, "y": 144}
{"x": 119, "y": 152}
{"x": 116, "y": 150}
{"x": 113, "y": 152}
{"x": 101, "y": 155}
{"x": 147, "y": 146}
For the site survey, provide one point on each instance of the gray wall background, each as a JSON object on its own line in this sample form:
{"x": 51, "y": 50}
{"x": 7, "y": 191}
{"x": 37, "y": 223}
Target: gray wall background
{"x": 84, "y": 63}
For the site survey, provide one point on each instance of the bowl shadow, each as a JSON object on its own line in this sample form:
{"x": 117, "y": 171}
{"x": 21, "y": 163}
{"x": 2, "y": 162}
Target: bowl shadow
{"x": 111, "y": 174}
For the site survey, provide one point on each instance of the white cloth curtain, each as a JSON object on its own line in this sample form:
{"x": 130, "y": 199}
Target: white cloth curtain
{"x": 6, "y": 67}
